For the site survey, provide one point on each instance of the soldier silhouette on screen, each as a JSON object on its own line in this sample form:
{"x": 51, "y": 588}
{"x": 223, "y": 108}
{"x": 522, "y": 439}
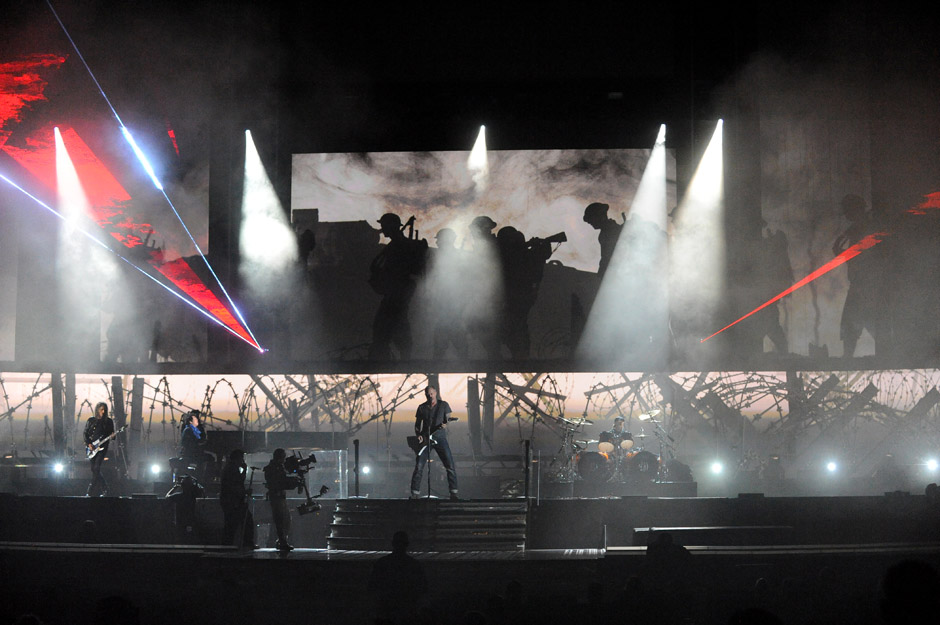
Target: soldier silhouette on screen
{"x": 608, "y": 232}
{"x": 449, "y": 299}
{"x": 481, "y": 232}
{"x": 523, "y": 266}
{"x": 393, "y": 275}
{"x": 863, "y": 305}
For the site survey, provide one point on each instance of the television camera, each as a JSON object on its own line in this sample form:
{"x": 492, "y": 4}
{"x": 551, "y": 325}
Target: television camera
{"x": 299, "y": 466}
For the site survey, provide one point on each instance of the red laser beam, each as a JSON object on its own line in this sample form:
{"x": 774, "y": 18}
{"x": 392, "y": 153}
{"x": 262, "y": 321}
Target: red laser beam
{"x": 868, "y": 242}
{"x": 931, "y": 202}
{"x": 172, "y": 134}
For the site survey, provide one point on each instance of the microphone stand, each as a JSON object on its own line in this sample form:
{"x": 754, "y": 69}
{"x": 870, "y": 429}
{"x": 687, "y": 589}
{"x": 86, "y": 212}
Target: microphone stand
{"x": 427, "y": 442}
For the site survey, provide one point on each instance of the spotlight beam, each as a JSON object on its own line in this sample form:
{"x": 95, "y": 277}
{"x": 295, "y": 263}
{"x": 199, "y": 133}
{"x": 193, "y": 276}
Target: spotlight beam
{"x": 150, "y": 171}
{"x": 866, "y": 243}
{"x": 91, "y": 237}
{"x": 477, "y": 160}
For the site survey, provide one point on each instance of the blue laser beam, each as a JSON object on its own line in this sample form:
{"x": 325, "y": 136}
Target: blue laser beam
{"x": 104, "y": 245}
{"x": 140, "y": 157}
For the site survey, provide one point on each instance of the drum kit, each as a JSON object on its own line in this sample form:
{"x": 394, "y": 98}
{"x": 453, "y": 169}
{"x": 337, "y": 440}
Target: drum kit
{"x": 616, "y": 456}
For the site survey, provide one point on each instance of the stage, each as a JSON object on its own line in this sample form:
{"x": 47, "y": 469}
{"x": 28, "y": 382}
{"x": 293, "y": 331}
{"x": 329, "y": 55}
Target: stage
{"x": 61, "y": 555}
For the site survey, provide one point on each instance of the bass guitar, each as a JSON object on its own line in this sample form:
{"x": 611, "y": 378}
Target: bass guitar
{"x": 92, "y": 451}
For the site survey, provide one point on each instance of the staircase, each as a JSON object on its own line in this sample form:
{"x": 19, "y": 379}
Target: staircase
{"x": 432, "y": 524}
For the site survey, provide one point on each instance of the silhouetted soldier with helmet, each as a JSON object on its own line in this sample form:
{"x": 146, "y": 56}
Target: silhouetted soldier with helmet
{"x": 523, "y": 266}
{"x": 608, "y": 232}
{"x": 481, "y": 231}
{"x": 393, "y": 275}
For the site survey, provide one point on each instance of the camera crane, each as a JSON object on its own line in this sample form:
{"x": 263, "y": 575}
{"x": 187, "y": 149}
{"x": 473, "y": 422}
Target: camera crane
{"x": 300, "y": 466}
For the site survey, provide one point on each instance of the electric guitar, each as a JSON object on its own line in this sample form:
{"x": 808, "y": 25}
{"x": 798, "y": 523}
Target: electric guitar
{"x": 417, "y": 446}
{"x": 91, "y": 452}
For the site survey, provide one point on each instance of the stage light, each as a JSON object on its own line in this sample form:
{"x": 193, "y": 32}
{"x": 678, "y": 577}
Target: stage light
{"x": 58, "y": 467}
{"x": 697, "y": 250}
{"x": 477, "y": 160}
{"x": 267, "y": 245}
{"x": 717, "y": 468}
{"x": 72, "y": 201}
{"x": 155, "y": 469}
{"x": 366, "y": 469}
{"x": 932, "y": 464}
{"x": 832, "y": 467}
{"x": 614, "y": 332}
{"x": 661, "y": 135}
{"x": 477, "y": 163}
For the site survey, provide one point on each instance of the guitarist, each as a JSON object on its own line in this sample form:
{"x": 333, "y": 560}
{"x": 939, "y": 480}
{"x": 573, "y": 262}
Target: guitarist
{"x": 99, "y": 426}
{"x": 430, "y": 424}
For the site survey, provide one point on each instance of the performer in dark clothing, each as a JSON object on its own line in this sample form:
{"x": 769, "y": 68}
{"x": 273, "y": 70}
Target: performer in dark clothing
{"x": 430, "y": 424}
{"x": 193, "y": 437}
{"x": 193, "y": 442}
{"x": 233, "y": 497}
{"x": 278, "y": 482}
{"x": 99, "y": 426}
{"x": 616, "y": 435}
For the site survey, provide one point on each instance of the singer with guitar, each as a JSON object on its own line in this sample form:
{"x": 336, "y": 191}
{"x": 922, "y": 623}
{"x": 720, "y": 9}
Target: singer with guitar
{"x": 99, "y": 430}
{"x": 430, "y": 428}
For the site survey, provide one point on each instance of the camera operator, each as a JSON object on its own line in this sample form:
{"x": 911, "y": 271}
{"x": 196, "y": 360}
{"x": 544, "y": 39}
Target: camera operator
{"x": 233, "y": 497}
{"x": 278, "y": 482}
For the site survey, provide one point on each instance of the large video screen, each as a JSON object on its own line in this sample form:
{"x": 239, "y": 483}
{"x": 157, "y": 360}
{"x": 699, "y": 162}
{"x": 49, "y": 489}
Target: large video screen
{"x": 425, "y": 257}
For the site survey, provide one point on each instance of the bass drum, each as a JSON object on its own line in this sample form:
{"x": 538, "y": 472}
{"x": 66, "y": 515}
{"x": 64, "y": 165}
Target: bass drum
{"x": 594, "y": 466}
{"x": 642, "y": 466}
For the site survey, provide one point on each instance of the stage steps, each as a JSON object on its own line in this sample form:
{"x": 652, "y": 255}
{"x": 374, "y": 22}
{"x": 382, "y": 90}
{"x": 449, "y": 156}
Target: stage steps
{"x": 432, "y": 524}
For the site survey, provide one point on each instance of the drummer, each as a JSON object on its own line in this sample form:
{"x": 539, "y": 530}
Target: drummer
{"x": 616, "y": 437}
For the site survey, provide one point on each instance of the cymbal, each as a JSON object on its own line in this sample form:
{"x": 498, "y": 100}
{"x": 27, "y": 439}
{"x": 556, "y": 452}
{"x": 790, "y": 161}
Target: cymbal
{"x": 648, "y": 416}
{"x": 585, "y": 442}
{"x": 576, "y": 421}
